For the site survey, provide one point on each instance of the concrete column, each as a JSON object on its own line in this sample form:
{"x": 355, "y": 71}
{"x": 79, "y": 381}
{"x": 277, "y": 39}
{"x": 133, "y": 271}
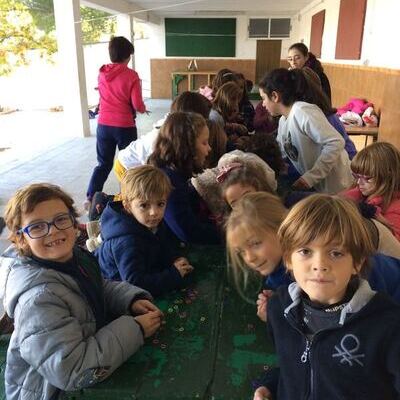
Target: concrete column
{"x": 125, "y": 28}
{"x": 72, "y": 67}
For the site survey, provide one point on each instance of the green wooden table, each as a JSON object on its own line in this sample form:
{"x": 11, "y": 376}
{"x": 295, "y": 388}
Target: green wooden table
{"x": 211, "y": 346}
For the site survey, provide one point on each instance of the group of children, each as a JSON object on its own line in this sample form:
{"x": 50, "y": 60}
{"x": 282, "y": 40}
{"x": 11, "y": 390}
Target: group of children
{"x": 328, "y": 296}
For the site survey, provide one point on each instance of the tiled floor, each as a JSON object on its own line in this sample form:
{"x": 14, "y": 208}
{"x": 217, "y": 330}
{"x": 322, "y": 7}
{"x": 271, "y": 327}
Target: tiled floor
{"x": 68, "y": 162}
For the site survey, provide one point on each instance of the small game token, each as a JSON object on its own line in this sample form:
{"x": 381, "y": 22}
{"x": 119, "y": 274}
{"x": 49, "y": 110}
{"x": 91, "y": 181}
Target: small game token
{"x": 181, "y": 329}
{"x": 163, "y": 346}
{"x": 156, "y": 341}
{"x": 170, "y": 310}
{"x": 202, "y": 319}
{"x": 176, "y": 307}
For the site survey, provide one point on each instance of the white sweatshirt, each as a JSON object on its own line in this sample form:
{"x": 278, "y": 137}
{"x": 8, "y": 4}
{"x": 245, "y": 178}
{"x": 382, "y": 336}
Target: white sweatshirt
{"x": 315, "y": 148}
{"x": 140, "y": 149}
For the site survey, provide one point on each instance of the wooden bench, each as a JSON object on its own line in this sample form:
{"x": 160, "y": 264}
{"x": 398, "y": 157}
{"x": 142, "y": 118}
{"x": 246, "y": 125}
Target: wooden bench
{"x": 211, "y": 347}
{"x": 178, "y": 76}
{"x": 366, "y": 131}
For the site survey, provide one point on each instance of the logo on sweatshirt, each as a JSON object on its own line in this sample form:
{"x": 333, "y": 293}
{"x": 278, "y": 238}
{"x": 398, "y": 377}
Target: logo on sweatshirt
{"x": 290, "y": 150}
{"x": 348, "y": 349}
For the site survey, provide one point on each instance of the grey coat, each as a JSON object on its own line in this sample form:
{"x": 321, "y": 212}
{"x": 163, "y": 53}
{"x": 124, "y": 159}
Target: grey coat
{"x": 55, "y": 344}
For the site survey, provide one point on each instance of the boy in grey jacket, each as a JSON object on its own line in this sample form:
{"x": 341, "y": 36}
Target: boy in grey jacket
{"x": 63, "y": 338}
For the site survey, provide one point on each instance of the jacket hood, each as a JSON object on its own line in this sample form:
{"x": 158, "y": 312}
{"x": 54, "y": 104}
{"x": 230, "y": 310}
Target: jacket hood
{"x": 19, "y": 274}
{"x": 109, "y": 71}
{"x": 116, "y": 222}
{"x": 361, "y": 297}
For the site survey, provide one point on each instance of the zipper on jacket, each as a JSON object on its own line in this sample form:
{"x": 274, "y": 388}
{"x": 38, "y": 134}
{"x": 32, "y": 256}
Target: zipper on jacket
{"x": 305, "y": 356}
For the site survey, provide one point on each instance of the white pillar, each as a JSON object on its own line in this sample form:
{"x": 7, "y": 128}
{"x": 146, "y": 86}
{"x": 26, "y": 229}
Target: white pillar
{"x": 71, "y": 62}
{"x": 125, "y": 28}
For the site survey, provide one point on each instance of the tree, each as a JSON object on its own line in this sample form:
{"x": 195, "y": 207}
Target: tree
{"x": 95, "y": 23}
{"x": 30, "y": 24}
{"x": 18, "y": 34}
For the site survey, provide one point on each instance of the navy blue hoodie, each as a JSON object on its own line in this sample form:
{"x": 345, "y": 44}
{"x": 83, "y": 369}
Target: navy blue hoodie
{"x": 358, "y": 360}
{"x": 133, "y": 253}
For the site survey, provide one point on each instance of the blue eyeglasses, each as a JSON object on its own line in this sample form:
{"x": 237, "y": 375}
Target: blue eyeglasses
{"x": 40, "y": 229}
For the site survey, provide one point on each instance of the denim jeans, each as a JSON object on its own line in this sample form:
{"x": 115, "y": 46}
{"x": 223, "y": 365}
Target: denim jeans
{"x": 108, "y": 137}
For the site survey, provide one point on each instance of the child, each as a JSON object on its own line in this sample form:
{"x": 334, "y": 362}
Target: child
{"x": 237, "y": 179}
{"x": 314, "y": 147}
{"x": 330, "y": 329}
{"x": 138, "y": 151}
{"x": 63, "y": 338}
{"x": 237, "y": 173}
{"x": 376, "y": 170}
{"x": 120, "y": 98}
{"x": 181, "y": 151}
{"x": 137, "y": 246}
{"x": 225, "y": 110}
{"x": 263, "y": 121}
{"x": 254, "y": 249}
{"x": 246, "y": 109}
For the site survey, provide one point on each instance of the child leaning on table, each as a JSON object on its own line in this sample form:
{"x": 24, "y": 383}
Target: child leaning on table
{"x": 138, "y": 246}
{"x": 64, "y": 338}
{"x": 335, "y": 337}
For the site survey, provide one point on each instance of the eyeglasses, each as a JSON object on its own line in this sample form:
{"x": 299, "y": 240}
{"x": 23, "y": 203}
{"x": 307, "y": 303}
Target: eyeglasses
{"x": 40, "y": 229}
{"x": 362, "y": 178}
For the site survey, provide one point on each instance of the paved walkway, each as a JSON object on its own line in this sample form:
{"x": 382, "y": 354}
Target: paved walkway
{"x": 37, "y": 154}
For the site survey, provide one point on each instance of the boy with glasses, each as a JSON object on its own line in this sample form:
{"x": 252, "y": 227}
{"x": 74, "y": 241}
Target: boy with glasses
{"x": 63, "y": 338}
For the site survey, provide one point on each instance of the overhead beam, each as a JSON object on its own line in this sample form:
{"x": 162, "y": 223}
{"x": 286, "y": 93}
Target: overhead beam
{"x": 123, "y": 7}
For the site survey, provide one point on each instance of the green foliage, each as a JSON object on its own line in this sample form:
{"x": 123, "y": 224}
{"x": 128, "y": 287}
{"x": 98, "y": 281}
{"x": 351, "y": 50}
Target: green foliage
{"x": 30, "y": 24}
{"x": 95, "y": 23}
{"x": 18, "y": 34}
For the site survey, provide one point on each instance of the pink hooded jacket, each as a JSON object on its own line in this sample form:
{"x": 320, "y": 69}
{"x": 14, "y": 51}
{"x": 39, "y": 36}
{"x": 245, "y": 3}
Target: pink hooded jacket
{"x": 120, "y": 95}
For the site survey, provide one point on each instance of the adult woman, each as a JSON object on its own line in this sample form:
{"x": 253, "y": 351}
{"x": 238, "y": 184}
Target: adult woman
{"x": 299, "y": 57}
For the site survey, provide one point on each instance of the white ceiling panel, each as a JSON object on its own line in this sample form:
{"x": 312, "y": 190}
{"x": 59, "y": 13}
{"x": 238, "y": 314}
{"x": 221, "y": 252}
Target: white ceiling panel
{"x": 198, "y": 8}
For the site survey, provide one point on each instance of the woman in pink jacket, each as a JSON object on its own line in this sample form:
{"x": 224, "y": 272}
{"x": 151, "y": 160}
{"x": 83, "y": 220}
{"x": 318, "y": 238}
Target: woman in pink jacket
{"x": 120, "y": 97}
{"x": 376, "y": 170}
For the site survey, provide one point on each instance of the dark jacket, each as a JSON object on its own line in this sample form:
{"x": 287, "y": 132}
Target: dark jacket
{"x": 132, "y": 253}
{"x": 358, "y": 360}
{"x": 384, "y": 276}
{"x": 247, "y": 113}
{"x": 183, "y": 214}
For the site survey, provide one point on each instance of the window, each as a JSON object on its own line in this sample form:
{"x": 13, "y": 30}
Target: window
{"x": 269, "y": 28}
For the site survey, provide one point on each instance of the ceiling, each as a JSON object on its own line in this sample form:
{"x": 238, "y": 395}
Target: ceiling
{"x": 169, "y": 8}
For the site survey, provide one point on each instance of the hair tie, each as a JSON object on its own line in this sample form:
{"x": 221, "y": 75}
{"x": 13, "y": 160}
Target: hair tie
{"x": 226, "y": 169}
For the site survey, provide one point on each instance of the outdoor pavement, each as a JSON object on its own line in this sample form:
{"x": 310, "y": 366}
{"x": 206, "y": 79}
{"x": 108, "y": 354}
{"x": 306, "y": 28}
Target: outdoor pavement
{"x": 35, "y": 148}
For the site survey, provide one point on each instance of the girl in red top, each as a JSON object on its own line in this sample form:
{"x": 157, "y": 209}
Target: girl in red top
{"x": 376, "y": 170}
{"x": 120, "y": 98}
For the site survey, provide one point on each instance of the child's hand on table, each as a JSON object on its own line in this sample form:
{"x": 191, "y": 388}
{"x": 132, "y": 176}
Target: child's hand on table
{"x": 183, "y": 266}
{"x": 143, "y": 306}
{"x": 149, "y": 322}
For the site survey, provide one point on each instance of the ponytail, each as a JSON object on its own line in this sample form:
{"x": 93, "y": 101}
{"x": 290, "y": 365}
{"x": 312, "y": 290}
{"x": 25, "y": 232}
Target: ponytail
{"x": 290, "y": 84}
